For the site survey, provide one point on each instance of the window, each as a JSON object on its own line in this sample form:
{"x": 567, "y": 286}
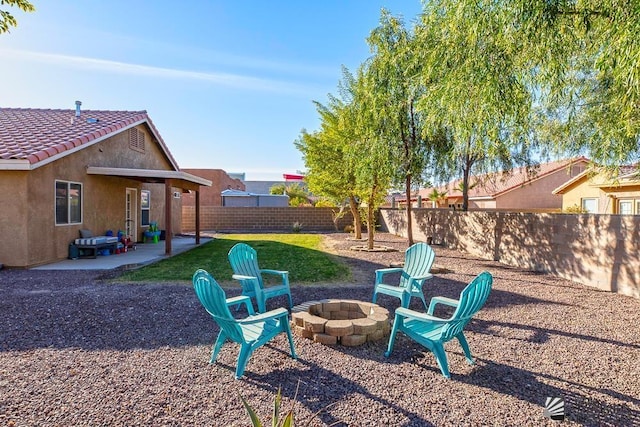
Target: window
{"x": 68, "y": 203}
{"x": 590, "y": 205}
{"x": 625, "y": 207}
{"x": 145, "y": 205}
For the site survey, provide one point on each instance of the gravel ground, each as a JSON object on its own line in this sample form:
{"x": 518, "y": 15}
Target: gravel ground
{"x": 78, "y": 349}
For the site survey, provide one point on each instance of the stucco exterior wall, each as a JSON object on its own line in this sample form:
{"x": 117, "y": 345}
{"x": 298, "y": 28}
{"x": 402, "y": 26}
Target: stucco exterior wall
{"x": 596, "y": 250}
{"x": 210, "y": 196}
{"x": 574, "y": 194}
{"x": 28, "y": 219}
{"x": 14, "y": 217}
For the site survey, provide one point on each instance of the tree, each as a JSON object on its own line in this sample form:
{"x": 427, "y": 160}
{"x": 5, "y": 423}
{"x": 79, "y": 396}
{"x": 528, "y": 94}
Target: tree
{"x": 329, "y": 169}
{"x": 371, "y": 151}
{"x": 395, "y": 71}
{"x": 7, "y": 19}
{"x": 297, "y": 195}
{"x": 476, "y": 89}
{"x": 436, "y": 197}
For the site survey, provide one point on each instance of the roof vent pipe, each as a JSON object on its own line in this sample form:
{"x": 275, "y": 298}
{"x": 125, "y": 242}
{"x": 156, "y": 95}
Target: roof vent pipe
{"x": 78, "y": 104}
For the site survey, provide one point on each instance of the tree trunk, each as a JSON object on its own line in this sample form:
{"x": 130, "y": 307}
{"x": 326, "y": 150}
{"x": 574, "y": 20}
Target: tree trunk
{"x": 357, "y": 222}
{"x": 465, "y": 188}
{"x": 371, "y": 224}
{"x": 409, "y": 221}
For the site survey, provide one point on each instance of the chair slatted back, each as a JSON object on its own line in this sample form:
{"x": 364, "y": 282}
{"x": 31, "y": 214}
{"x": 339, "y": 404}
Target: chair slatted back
{"x": 472, "y": 299}
{"x": 214, "y": 300}
{"x": 244, "y": 260}
{"x": 417, "y": 262}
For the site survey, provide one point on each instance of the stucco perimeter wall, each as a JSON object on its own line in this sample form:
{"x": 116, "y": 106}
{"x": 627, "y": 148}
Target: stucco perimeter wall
{"x": 261, "y": 218}
{"x": 596, "y": 250}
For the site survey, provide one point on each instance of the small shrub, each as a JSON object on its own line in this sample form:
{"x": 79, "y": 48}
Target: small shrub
{"x": 576, "y": 210}
{"x": 297, "y": 227}
{"x": 276, "y": 421}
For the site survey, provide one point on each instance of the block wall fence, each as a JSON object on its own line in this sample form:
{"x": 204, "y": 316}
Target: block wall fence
{"x": 597, "y": 250}
{"x": 218, "y": 218}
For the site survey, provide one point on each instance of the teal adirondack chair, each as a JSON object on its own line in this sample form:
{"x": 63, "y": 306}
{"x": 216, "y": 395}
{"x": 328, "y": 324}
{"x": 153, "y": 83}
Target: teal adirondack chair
{"x": 417, "y": 262}
{"x": 250, "y": 332}
{"x": 244, "y": 263}
{"x": 432, "y": 332}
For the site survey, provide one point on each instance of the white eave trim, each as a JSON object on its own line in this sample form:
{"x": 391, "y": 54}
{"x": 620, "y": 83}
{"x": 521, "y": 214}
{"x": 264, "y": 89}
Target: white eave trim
{"x": 15, "y": 165}
{"x": 148, "y": 173}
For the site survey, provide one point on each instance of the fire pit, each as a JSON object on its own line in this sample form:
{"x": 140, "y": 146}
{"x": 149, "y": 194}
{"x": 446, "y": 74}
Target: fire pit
{"x": 345, "y": 322}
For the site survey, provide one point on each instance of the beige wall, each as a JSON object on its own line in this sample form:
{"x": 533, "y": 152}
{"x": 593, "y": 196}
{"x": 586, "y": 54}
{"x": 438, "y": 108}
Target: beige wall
{"x": 217, "y": 218}
{"x": 28, "y": 202}
{"x": 14, "y": 214}
{"x": 596, "y": 250}
{"x": 210, "y": 196}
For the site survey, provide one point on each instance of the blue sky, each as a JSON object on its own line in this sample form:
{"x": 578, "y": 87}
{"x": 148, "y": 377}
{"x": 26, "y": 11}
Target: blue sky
{"x": 229, "y": 84}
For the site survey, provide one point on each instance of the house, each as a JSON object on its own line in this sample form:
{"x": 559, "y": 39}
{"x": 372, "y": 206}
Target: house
{"x": 596, "y": 191}
{"x": 212, "y": 196}
{"x": 517, "y": 189}
{"x": 62, "y": 171}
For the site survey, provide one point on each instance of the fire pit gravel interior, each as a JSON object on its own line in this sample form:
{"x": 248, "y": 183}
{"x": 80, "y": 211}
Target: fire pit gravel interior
{"x": 346, "y": 322}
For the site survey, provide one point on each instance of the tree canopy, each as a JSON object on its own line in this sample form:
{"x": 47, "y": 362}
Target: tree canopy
{"x": 7, "y": 20}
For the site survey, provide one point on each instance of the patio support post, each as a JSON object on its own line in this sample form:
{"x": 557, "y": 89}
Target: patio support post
{"x": 167, "y": 216}
{"x": 198, "y": 216}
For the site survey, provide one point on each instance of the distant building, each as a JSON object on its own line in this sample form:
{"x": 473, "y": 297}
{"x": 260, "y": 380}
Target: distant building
{"x": 515, "y": 189}
{"x": 211, "y": 196}
{"x": 237, "y": 198}
{"x": 602, "y": 194}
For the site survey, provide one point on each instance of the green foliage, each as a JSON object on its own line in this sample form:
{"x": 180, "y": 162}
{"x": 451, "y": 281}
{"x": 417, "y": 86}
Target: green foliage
{"x": 287, "y": 421}
{"x": 7, "y": 19}
{"x": 296, "y": 227}
{"x": 301, "y": 254}
{"x": 575, "y": 209}
{"x": 298, "y": 196}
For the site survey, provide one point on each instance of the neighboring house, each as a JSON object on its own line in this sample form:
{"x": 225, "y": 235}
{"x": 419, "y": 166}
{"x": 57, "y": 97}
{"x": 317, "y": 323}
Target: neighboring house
{"x": 516, "y": 189}
{"x": 600, "y": 193}
{"x": 66, "y": 170}
{"x": 212, "y": 196}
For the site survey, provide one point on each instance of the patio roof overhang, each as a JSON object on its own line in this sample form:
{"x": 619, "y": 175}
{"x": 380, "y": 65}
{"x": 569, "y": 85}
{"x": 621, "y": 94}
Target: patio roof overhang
{"x": 178, "y": 179}
{"x": 170, "y": 179}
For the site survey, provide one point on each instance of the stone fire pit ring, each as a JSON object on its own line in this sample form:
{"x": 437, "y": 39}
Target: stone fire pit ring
{"x": 338, "y": 321}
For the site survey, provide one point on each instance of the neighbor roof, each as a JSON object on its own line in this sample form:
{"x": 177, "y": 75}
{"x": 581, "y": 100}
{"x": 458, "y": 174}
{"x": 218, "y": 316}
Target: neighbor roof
{"x": 490, "y": 186}
{"x": 31, "y": 137}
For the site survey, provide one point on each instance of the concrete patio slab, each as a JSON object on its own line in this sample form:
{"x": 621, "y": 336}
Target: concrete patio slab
{"x": 145, "y": 253}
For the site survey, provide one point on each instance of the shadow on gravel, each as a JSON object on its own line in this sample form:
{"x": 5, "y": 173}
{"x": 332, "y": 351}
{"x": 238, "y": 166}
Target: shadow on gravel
{"x": 581, "y": 405}
{"x": 320, "y": 388}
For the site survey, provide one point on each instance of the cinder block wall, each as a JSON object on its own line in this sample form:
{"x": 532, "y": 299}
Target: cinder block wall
{"x": 596, "y": 250}
{"x": 261, "y": 218}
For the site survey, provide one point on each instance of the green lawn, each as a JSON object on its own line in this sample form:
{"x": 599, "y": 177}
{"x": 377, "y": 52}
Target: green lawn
{"x": 300, "y": 254}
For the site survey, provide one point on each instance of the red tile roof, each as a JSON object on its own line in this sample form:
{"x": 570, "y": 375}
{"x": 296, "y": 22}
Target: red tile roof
{"x": 36, "y": 135}
{"x": 495, "y": 184}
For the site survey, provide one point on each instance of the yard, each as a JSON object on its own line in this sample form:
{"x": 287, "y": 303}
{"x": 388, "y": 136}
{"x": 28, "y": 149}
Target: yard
{"x": 78, "y": 349}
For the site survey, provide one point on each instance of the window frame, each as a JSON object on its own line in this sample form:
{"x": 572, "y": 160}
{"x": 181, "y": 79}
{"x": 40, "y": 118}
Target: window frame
{"x": 145, "y": 206}
{"x": 631, "y": 204}
{"x": 69, "y": 198}
{"x": 594, "y": 199}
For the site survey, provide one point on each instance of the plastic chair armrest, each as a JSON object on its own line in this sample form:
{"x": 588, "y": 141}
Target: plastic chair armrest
{"x": 243, "y": 277}
{"x": 381, "y": 272}
{"x": 441, "y": 300}
{"x": 241, "y": 299}
{"x": 412, "y": 314}
{"x": 273, "y": 314}
{"x": 276, "y": 272}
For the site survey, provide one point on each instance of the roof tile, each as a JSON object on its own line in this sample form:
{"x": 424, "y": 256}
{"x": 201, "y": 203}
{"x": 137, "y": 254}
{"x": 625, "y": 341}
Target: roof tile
{"x": 36, "y": 134}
